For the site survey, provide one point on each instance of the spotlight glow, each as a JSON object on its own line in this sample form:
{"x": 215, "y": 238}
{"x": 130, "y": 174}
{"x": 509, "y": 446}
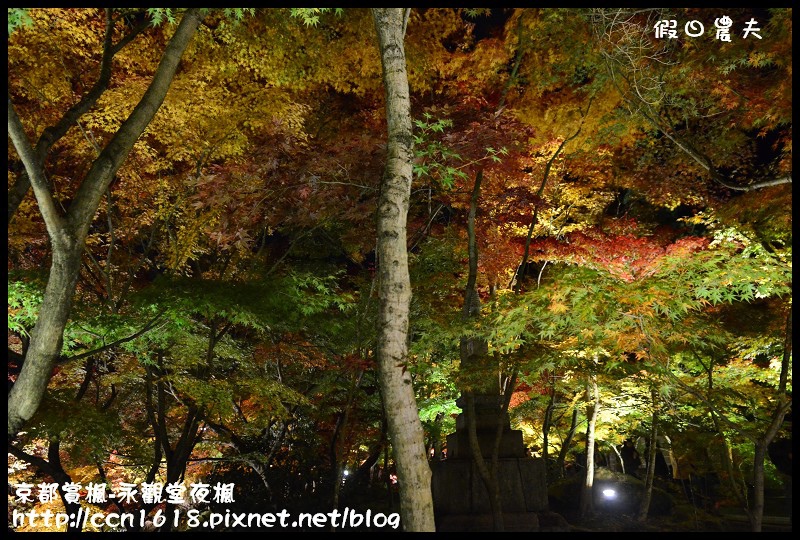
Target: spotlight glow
{"x": 609, "y": 493}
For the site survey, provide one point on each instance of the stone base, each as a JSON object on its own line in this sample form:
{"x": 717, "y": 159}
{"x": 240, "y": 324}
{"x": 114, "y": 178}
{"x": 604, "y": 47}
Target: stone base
{"x": 512, "y": 522}
{"x": 511, "y": 444}
{"x": 460, "y": 498}
{"x": 458, "y": 489}
{"x": 487, "y": 417}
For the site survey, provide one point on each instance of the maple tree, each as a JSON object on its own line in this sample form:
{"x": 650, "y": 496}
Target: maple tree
{"x": 67, "y": 233}
{"x": 394, "y": 288}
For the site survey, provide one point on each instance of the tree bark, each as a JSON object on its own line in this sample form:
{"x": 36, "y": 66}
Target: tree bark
{"x": 644, "y": 506}
{"x": 68, "y": 233}
{"x": 782, "y": 406}
{"x": 587, "y": 490}
{"x": 565, "y": 444}
{"x": 546, "y": 423}
{"x": 52, "y": 134}
{"x": 394, "y": 291}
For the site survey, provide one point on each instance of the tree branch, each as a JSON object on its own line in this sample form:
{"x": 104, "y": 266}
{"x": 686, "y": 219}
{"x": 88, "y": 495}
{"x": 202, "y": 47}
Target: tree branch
{"x": 52, "y": 134}
{"x": 143, "y": 330}
{"x": 111, "y": 158}
{"x": 471, "y": 302}
{"x": 624, "y": 63}
{"x": 516, "y": 278}
{"x": 52, "y": 218}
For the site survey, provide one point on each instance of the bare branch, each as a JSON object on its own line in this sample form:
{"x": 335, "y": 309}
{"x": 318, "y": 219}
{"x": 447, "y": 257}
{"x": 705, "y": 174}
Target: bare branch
{"x": 629, "y": 56}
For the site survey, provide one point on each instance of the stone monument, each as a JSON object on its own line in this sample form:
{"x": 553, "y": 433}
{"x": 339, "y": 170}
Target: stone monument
{"x": 460, "y": 498}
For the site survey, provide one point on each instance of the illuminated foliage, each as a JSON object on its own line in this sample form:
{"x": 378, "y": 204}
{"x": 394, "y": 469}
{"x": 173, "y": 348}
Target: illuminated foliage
{"x": 231, "y": 262}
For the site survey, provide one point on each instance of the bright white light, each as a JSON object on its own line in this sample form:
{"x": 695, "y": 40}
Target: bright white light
{"x": 609, "y": 493}
{"x": 346, "y": 473}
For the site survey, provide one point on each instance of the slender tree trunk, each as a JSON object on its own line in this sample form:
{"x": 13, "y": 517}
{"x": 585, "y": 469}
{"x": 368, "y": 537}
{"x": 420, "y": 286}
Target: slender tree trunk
{"x": 782, "y": 405}
{"x": 619, "y": 458}
{"x": 548, "y": 418}
{"x": 644, "y": 506}
{"x": 68, "y": 233}
{"x": 46, "y": 338}
{"x": 562, "y": 454}
{"x": 478, "y": 347}
{"x": 587, "y": 490}
{"x": 756, "y": 510}
{"x": 394, "y": 291}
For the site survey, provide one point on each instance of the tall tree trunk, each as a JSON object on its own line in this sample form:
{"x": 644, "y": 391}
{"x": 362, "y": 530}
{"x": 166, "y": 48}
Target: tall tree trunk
{"x": 652, "y": 445}
{"x": 587, "y": 490}
{"x": 46, "y": 337}
{"x": 394, "y": 291}
{"x": 562, "y": 454}
{"x": 548, "y": 418}
{"x": 68, "y": 233}
{"x": 782, "y": 405}
{"x": 478, "y": 347}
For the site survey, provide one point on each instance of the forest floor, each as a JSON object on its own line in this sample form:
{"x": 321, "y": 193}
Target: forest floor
{"x": 606, "y": 522}
{"x": 670, "y": 509}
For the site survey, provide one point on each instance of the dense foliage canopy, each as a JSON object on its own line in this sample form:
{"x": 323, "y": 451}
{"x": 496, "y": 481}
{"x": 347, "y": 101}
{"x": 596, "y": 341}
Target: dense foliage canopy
{"x": 633, "y": 229}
